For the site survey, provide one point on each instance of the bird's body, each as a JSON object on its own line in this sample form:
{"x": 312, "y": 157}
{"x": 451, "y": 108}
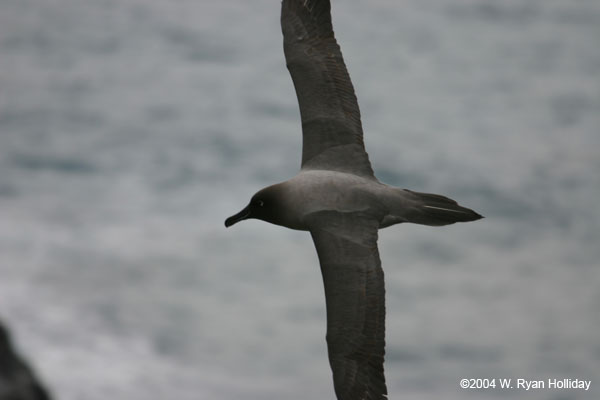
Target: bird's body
{"x": 314, "y": 191}
{"x": 338, "y": 199}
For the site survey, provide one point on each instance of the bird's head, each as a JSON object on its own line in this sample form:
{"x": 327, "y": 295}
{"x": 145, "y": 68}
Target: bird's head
{"x": 264, "y": 205}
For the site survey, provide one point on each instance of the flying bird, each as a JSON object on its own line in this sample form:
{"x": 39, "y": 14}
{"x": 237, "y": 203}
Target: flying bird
{"x": 337, "y": 198}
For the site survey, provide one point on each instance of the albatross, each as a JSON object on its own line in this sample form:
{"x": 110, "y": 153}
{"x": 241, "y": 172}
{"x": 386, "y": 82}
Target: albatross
{"x": 337, "y": 198}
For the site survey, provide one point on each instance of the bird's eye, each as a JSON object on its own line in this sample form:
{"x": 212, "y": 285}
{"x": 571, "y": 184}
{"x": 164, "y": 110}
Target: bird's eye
{"x": 261, "y": 203}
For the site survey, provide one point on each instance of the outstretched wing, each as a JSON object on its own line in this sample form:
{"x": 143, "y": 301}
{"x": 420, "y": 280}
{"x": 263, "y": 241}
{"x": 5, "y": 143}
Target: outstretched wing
{"x": 331, "y": 128}
{"x": 355, "y": 296}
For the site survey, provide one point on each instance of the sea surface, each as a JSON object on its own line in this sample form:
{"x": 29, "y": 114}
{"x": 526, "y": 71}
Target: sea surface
{"x": 130, "y": 129}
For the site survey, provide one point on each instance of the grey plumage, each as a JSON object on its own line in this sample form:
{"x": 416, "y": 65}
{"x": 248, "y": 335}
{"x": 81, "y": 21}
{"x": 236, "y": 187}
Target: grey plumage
{"x": 331, "y": 128}
{"x": 338, "y": 199}
{"x": 355, "y": 302}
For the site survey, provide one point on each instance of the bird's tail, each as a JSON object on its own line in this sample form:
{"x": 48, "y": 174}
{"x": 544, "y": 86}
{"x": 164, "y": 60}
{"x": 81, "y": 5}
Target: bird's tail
{"x": 436, "y": 210}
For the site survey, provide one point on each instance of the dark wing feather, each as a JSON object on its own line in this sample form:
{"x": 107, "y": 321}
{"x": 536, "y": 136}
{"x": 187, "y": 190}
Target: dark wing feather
{"x": 331, "y": 127}
{"x": 355, "y": 296}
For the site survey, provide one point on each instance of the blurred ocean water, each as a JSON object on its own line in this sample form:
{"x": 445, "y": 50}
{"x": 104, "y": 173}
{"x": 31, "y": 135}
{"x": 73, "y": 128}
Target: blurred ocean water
{"x": 130, "y": 129}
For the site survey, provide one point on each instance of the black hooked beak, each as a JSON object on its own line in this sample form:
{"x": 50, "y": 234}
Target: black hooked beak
{"x": 242, "y": 215}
